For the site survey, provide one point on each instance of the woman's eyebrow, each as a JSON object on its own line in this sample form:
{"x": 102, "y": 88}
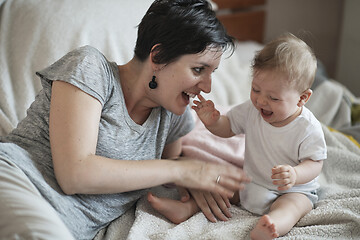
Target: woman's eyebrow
{"x": 202, "y": 63}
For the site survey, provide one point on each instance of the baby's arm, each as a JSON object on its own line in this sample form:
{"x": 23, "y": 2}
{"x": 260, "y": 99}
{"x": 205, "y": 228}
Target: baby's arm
{"x": 217, "y": 124}
{"x": 286, "y": 176}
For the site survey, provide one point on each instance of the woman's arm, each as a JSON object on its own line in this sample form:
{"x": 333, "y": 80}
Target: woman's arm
{"x": 73, "y": 138}
{"x": 73, "y": 125}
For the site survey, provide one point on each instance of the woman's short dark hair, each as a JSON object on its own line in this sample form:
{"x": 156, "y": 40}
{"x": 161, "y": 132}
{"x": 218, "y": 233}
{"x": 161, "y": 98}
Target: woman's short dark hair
{"x": 180, "y": 27}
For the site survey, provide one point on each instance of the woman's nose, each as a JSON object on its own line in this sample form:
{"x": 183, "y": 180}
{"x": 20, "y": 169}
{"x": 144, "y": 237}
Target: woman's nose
{"x": 205, "y": 84}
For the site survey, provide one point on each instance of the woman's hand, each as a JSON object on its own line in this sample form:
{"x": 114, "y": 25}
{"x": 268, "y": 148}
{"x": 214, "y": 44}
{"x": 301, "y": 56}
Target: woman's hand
{"x": 284, "y": 176}
{"x": 222, "y": 179}
{"x": 213, "y": 205}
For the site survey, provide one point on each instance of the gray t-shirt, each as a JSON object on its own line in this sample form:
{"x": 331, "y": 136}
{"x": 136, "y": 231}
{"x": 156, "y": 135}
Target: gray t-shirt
{"x": 119, "y": 137}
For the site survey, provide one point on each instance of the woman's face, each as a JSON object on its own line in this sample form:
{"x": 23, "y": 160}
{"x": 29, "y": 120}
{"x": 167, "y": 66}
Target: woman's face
{"x": 188, "y": 76}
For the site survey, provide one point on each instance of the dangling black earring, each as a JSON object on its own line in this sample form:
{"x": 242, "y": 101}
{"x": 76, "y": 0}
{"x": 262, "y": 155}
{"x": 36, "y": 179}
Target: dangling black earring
{"x": 153, "y": 83}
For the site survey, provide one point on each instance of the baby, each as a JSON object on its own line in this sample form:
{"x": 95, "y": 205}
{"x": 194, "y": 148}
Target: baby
{"x": 285, "y": 145}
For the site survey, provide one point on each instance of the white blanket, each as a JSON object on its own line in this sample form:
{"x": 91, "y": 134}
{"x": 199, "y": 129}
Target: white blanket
{"x": 35, "y": 33}
{"x": 335, "y": 216}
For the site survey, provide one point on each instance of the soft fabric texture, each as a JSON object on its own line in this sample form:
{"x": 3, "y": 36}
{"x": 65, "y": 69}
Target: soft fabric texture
{"x": 19, "y": 197}
{"x": 119, "y": 138}
{"x": 258, "y": 200}
{"x": 35, "y": 33}
{"x": 335, "y": 216}
{"x": 203, "y": 145}
{"x": 267, "y": 146}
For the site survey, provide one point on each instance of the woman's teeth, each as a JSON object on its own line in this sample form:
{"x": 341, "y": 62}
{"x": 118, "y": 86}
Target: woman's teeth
{"x": 192, "y": 95}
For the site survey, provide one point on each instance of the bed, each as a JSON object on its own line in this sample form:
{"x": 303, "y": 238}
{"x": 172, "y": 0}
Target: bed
{"x": 35, "y": 33}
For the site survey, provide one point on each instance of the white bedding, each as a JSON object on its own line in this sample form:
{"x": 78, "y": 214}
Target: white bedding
{"x": 35, "y": 33}
{"x": 336, "y": 215}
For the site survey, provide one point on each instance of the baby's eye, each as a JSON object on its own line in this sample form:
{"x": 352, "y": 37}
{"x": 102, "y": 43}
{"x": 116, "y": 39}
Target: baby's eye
{"x": 274, "y": 99}
{"x": 255, "y": 90}
{"x": 198, "y": 70}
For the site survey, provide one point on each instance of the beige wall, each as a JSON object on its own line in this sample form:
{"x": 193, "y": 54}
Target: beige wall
{"x": 318, "y": 22}
{"x": 348, "y": 67}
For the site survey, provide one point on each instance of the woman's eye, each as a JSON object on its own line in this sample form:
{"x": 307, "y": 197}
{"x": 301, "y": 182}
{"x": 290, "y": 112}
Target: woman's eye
{"x": 198, "y": 70}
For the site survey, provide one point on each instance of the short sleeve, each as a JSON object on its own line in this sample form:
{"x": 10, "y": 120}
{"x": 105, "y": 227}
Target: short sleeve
{"x": 238, "y": 117}
{"x": 85, "y": 68}
{"x": 180, "y": 126}
{"x": 313, "y": 146}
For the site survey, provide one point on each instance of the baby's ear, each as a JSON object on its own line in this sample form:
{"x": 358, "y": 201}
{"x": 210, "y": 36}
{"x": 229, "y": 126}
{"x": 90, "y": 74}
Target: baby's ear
{"x": 304, "y": 97}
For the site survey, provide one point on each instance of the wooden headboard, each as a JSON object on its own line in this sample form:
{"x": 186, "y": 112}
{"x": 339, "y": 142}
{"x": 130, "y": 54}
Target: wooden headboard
{"x": 243, "y": 19}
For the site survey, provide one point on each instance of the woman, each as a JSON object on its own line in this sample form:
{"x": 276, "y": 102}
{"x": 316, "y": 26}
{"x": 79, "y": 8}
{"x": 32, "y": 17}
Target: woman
{"x": 92, "y": 140}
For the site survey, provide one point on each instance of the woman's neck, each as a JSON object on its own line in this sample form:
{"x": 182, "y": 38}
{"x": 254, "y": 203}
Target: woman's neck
{"x": 132, "y": 84}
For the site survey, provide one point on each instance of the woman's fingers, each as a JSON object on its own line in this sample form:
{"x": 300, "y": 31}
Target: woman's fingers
{"x": 234, "y": 179}
{"x": 216, "y": 208}
{"x": 224, "y": 204}
{"x": 226, "y": 186}
{"x": 203, "y": 204}
{"x": 216, "y": 178}
{"x": 212, "y": 205}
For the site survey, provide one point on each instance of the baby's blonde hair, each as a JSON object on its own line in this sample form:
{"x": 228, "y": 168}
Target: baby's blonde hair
{"x": 291, "y": 56}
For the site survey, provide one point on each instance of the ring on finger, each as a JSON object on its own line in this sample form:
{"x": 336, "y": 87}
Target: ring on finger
{"x": 218, "y": 179}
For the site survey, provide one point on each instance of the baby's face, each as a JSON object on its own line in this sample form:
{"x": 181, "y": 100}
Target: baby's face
{"x": 274, "y": 98}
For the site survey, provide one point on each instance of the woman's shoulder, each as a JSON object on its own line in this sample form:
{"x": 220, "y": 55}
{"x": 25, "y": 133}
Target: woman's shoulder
{"x": 86, "y": 52}
{"x": 77, "y": 58}
{"x": 83, "y": 67}
{"x": 87, "y": 49}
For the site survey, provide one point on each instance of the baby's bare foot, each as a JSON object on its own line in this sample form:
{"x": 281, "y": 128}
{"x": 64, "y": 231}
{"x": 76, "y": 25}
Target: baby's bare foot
{"x": 264, "y": 229}
{"x": 174, "y": 210}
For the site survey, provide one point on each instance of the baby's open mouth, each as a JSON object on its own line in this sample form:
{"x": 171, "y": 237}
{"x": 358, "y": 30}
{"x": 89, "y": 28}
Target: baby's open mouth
{"x": 266, "y": 113}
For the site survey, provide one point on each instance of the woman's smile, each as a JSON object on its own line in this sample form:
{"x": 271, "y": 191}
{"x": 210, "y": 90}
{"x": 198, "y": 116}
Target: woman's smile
{"x": 187, "y": 96}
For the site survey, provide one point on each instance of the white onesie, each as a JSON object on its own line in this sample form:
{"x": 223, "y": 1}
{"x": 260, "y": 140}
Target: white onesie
{"x": 267, "y": 146}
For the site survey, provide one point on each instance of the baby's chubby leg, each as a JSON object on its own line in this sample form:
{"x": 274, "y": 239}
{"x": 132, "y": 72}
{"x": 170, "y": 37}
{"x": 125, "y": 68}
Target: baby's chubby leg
{"x": 284, "y": 213}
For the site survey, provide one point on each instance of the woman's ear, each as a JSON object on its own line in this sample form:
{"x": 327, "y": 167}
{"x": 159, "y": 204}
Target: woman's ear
{"x": 304, "y": 97}
{"x": 152, "y": 55}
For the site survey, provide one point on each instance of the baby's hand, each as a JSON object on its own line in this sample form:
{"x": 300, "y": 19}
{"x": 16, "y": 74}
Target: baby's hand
{"x": 206, "y": 111}
{"x": 284, "y": 175}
